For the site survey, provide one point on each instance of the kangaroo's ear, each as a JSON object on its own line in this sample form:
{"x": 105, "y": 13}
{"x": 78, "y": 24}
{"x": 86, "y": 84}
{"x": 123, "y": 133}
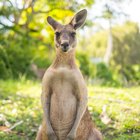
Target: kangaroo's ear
{"x": 79, "y": 19}
{"x": 54, "y": 24}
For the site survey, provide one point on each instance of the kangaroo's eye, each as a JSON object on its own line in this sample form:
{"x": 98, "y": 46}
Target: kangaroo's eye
{"x": 73, "y": 34}
{"x": 57, "y": 33}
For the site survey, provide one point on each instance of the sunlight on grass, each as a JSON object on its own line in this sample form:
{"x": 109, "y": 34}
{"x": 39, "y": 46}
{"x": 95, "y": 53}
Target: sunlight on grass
{"x": 20, "y": 101}
{"x": 123, "y": 107}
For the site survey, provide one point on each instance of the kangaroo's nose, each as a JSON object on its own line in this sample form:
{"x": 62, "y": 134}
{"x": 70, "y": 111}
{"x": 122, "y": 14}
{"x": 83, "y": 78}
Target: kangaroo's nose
{"x": 65, "y": 45}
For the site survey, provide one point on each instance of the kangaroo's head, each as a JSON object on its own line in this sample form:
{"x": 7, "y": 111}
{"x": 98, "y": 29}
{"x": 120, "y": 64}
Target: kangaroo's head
{"x": 65, "y": 35}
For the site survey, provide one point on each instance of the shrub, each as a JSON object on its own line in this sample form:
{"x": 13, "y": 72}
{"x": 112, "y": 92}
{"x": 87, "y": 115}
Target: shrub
{"x": 5, "y": 71}
{"x": 107, "y": 76}
{"x": 84, "y": 63}
{"x": 132, "y": 74}
{"x": 19, "y": 59}
{"x": 103, "y": 72}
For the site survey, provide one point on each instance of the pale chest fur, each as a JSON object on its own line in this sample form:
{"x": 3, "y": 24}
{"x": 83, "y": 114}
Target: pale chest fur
{"x": 63, "y": 102}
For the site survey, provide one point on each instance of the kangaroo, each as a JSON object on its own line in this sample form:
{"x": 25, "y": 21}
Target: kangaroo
{"x": 64, "y": 92}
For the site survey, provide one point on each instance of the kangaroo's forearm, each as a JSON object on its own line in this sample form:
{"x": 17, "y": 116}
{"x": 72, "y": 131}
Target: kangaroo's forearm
{"x": 81, "y": 108}
{"x": 46, "y": 109}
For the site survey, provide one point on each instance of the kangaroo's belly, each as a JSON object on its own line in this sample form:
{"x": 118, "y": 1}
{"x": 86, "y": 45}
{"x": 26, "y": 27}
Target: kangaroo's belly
{"x": 62, "y": 112}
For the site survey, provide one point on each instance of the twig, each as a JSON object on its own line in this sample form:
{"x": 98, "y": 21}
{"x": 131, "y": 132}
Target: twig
{"x": 15, "y": 125}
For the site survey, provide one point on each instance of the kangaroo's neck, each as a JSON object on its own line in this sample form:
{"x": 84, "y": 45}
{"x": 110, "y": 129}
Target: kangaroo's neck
{"x": 64, "y": 59}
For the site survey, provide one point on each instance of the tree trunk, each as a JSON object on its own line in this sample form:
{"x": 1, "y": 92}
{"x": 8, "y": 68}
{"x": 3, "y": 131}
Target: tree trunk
{"x": 109, "y": 48}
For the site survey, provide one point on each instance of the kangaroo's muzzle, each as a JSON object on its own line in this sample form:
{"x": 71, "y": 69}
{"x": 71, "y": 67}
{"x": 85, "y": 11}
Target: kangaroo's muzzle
{"x": 65, "y": 46}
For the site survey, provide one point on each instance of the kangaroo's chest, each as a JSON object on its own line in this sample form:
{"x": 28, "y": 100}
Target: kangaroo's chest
{"x": 63, "y": 91}
{"x": 63, "y": 80}
{"x": 63, "y": 104}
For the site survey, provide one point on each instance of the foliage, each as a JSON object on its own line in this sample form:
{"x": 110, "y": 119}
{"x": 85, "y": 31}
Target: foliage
{"x": 20, "y": 101}
{"x": 125, "y": 61}
{"x": 84, "y": 62}
{"x": 5, "y": 71}
{"x": 126, "y": 43}
{"x": 126, "y": 51}
{"x": 103, "y": 71}
{"x": 105, "y": 74}
{"x": 132, "y": 74}
{"x": 25, "y": 36}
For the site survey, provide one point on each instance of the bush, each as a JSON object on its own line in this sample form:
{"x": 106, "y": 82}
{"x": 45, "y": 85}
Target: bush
{"x": 131, "y": 73}
{"x": 107, "y": 76}
{"x": 84, "y": 63}
{"x": 42, "y": 57}
{"x": 103, "y": 72}
{"x": 5, "y": 71}
{"x": 19, "y": 59}
{"x": 16, "y": 60}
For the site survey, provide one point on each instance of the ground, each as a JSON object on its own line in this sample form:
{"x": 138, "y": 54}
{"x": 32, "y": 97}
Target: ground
{"x": 20, "y": 108}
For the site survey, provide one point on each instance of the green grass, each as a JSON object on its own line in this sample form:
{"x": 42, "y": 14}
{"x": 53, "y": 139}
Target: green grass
{"x": 20, "y": 101}
{"x": 122, "y": 106}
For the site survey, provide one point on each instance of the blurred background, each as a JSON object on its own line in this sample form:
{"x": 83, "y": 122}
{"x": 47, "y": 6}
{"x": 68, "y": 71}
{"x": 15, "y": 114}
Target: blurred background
{"x": 108, "y": 54}
{"x": 108, "y": 50}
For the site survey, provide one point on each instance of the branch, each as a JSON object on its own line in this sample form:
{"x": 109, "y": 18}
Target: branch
{"x": 11, "y": 28}
{"x": 15, "y": 125}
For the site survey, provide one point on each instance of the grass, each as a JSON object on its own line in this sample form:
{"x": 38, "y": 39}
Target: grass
{"x": 20, "y": 102}
{"x": 122, "y": 107}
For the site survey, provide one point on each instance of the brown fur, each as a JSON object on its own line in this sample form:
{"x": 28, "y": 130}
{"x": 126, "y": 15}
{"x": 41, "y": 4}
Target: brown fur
{"x": 64, "y": 92}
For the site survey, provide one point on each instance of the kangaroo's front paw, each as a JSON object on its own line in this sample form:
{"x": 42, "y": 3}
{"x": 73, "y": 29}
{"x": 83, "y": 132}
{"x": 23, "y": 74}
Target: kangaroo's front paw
{"x": 71, "y": 136}
{"x": 52, "y": 136}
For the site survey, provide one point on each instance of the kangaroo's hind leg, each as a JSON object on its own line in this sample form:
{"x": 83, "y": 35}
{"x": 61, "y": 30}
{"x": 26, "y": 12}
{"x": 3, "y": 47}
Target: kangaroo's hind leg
{"x": 41, "y": 135}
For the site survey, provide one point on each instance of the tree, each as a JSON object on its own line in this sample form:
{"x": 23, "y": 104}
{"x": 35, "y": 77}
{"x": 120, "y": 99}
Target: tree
{"x": 24, "y": 33}
{"x": 111, "y": 12}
